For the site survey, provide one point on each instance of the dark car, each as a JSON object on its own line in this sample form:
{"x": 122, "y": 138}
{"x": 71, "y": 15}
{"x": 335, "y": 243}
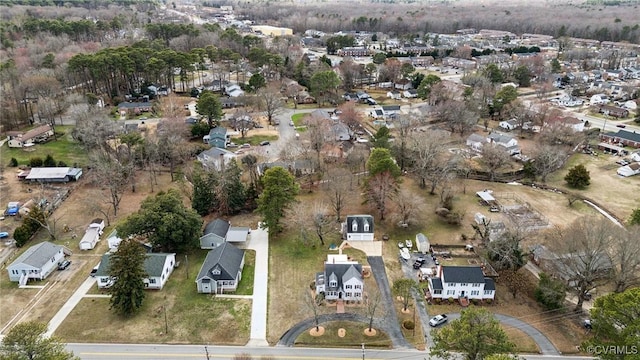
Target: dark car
{"x": 64, "y": 264}
{"x": 621, "y": 126}
{"x": 264, "y": 143}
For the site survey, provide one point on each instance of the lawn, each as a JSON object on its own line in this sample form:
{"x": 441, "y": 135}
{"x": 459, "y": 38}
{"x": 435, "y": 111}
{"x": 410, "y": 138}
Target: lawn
{"x": 245, "y": 287}
{"x": 255, "y": 140}
{"x": 190, "y": 317}
{"x": 353, "y": 337}
{"x": 64, "y": 149}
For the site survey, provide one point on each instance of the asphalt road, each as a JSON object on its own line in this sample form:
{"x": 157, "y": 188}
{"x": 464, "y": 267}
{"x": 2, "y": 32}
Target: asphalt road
{"x": 160, "y": 351}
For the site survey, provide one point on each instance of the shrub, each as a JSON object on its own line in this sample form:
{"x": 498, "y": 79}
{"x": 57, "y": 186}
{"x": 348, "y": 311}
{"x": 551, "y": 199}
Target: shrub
{"x": 489, "y": 301}
{"x": 451, "y": 300}
{"x": 550, "y": 292}
{"x": 578, "y": 177}
{"x": 438, "y": 301}
{"x": 408, "y": 324}
{"x": 35, "y": 162}
{"x": 62, "y": 164}
{"x": 22, "y": 234}
{"x": 13, "y": 162}
{"x": 49, "y": 161}
{"x": 475, "y": 301}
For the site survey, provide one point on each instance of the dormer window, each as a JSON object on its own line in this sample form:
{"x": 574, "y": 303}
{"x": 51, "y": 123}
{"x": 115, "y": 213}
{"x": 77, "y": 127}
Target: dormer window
{"x": 366, "y": 227}
{"x": 333, "y": 283}
{"x": 354, "y": 226}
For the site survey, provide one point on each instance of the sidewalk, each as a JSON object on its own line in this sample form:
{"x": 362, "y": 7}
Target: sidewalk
{"x": 66, "y": 309}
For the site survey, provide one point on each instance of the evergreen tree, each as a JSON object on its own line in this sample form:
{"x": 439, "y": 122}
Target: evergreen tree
{"x": 578, "y": 177}
{"x": 203, "y": 199}
{"x": 380, "y": 161}
{"x": 27, "y": 340}
{"x": 550, "y": 292}
{"x": 231, "y": 193}
{"x": 126, "y": 266}
{"x": 209, "y": 105}
{"x": 381, "y": 138}
{"x": 49, "y": 161}
{"x": 279, "y": 191}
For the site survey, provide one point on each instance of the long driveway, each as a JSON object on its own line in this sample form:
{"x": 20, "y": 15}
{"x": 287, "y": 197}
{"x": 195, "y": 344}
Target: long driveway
{"x": 260, "y": 243}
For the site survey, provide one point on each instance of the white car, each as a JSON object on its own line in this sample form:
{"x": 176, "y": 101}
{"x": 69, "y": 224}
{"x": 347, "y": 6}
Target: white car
{"x": 438, "y": 320}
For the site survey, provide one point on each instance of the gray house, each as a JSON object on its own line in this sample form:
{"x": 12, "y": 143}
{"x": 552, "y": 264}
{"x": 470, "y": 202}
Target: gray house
{"x": 340, "y": 280}
{"x": 221, "y": 270}
{"x": 217, "y": 137}
{"x": 214, "y": 234}
{"x": 37, "y": 262}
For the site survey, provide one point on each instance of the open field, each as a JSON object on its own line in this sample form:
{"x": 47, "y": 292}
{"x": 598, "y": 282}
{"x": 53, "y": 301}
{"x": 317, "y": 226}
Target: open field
{"x": 617, "y": 194}
{"x": 64, "y": 149}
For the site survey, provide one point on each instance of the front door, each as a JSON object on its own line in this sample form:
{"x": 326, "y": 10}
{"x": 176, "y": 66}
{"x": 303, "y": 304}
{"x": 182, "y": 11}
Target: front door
{"x": 462, "y": 293}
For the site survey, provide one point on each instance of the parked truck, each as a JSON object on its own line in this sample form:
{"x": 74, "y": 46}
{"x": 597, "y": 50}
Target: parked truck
{"x": 12, "y": 208}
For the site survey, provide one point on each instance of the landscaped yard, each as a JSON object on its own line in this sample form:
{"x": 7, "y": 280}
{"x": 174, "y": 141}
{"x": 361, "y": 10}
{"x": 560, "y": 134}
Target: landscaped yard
{"x": 353, "y": 336}
{"x": 64, "y": 149}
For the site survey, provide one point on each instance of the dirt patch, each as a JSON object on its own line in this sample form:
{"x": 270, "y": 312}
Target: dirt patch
{"x": 370, "y": 332}
{"x": 319, "y": 331}
{"x": 342, "y": 332}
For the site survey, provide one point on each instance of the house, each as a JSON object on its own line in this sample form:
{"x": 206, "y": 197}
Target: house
{"x": 30, "y": 138}
{"x": 341, "y": 279}
{"x": 339, "y": 132}
{"x": 574, "y": 123}
{"x": 566, "y": 267}
{"x": 220, "y": 231}
{"x": 37, "y": 262}
{"x": 134, "y": 107}
{"x": 216, "y": 158}
{"x": 217, "y": 137}
{"x": 624, "y": 137}
{"x": 403, "y": 84}
{"x": 461, "y": 282}
{"x": 410, "y": 94}
{"x": 391, "y": 110}
{"x": 394, "y": 94}
{"x": 476, "y": 141}
{"x": 92, "y": 235}
{"x": 629, "y": 170}
{"x": 354, "y": 52}
{"x": 221, "y": 270}
{"x": 422, "y": 243}
{"x": 509, "y": 125}
{"x": 599, "y": 99}
{"x": 303, "y": 97}
{"x": 510, "y": 144}
{"x": 358, "y": 228}
{"x": 233, "y": 90}
{"x": 157, "y": 266}
{"x": 51, "y": 174}
{"x": 295, "y": 167}
{"x": 613, "y": 111}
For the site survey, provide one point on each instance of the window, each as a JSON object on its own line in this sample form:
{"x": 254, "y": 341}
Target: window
{"x": 104, "y": 280}
{"x": 357, "y": 294}
{"x": 358, "y": 286}
{"x": 463, "y": 284}
{"x": 451, "y": 284}
{"x": 475, "y": 285}
{"x": 488, "y": 292}
{"x": 366, "y": 227}
{"x": 152, "y": 281}
{"x": 215, "y": 271}
{"x": 348, "y": 294}
{"x": 438, "y": 292}
{"x": 451, "y": 292}
{"x": 333, "y": 283}
{"x": 354, "y": 226}
{"x": 348, "y": 286}
{"x": 475, "y": 292}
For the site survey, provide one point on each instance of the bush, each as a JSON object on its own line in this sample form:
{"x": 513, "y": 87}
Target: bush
{"x": 49, "y": 161}
{"x": 489, "y": 301}
{"x": 550, "y": 292}
{"x": 451, "y": 300}
{"x": 408, "y": 324}
{"x": 22, "y": 234}
{"x": 578, "y": 177}
{"x": 475, "y": 301}
{"x": 13, "y": 162}
{"x": 35, "y": 162}
{"x": 62, "y": 164}
{"x": 438, "y": 301}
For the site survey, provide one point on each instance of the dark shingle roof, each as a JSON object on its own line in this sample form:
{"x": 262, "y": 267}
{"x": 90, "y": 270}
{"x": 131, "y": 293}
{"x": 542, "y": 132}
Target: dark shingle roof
{"x": 218, "y": 227}
{"x": 360, "y": 220}
{"x": 341, "y": 273}
{"x": 227, "y": 258}
{"x": 153, "y": 264}
{"x": 624, "y": 134}
{"x": 489, "y": 284}
{"x": 218, "y": 131}
{"x": 462, "y": 274}
{"x": 436, "y": 283}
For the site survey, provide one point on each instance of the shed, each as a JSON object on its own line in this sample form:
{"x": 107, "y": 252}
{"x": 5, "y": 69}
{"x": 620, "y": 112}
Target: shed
{"x": 52, "y": 174}
{"x": 487, "y": 197}
{"x": 422, "y": 243}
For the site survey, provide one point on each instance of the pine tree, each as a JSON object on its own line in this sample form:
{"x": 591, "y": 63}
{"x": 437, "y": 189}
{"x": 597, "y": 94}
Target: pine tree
{"x": 231, "y": 192}
{"x": 127, "y": 267}
{"x": 578, "y": 177}
{"x": 280, "y": 190}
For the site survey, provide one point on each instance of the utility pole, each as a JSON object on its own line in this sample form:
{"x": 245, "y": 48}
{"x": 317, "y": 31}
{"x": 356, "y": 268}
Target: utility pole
{"x": 362, "y": 351}
{"x": 166, "y": 323}
{"x": 206, "y": 352}
{"x": 186, "y": 265}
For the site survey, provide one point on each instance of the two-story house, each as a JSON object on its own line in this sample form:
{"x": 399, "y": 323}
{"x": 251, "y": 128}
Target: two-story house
{"x": 217, "y": 137}
{"x": 358, "y": 228}
{"x": 461, "y": 282}
{"x": 216, "y": 158}
{"x": 341, "y": 279}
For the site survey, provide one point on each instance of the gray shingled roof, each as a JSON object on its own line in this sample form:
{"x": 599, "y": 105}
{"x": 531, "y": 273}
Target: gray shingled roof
{"x": 153, "y": 264}
{"x": 489, "y": 284}
{"x": 341, "y": 273}
{"x": 436, "y": 283}
{"x": 462, "y": 274}
{"x": 225, "y": 257}
{"x": 38, "y": 255}
{"x": 218, "y": 227}
{"x": 360, "y": 220}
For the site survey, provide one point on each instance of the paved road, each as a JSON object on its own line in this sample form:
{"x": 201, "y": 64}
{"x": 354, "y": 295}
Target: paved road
{"x": 178, "y": 352}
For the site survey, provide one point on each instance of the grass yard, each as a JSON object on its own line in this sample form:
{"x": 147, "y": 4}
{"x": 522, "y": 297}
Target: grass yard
{"x": 354, "y": 337}
{"x": 524, "y": 343}
{"x": 64, "y": 149}
{"x": 414, "y": 336}
{"x": 297, "y": 118}
{"x": 186, "y": 311}
{"x": 245, "y": 287}
{"x": 255, "y": 140}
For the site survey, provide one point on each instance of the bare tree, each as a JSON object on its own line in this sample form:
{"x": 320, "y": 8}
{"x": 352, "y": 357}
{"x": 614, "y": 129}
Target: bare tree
{"x": 270, "y": 101}
{"x": 338, "y": 189}
{"x": 311, "y": 220}
{"x": 625, "y": 253}
{"x": 93, "y": 129}
{"x": 456, "y": 116}
{"x": 582, "y": 257}
{"x": 242, "y": 122}
{"x": 373, "y": 306}
{"x": 380, "y": 189}
{"x": 495, "y": 157}
{"x": 548, "y": 159}
{"x": 111, "y": 174}
{"x": 407, "y": 206}
{"x": 312, "y": 302}
{"x": 351, "y": 116}
{"x": 317, "y": 129}
{"x": 94, "y": 207}
{"x": 431, "y": 162}
{"x": 506, "y": 253}
{"x": 173, "y": 147}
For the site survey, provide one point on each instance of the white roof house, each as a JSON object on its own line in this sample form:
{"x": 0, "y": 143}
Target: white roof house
{"x": 51, "y": 174}
{"x": 629, "y": 170}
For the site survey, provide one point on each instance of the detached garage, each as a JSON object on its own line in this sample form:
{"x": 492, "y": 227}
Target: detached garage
{"x": 51, "y": 174}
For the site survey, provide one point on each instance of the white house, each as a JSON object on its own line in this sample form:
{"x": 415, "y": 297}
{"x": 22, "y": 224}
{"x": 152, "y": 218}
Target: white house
{"x": 92, "y": 235}
{"x": 341, "y": 279}
{"x": 509, "y": 143}
{"x": 599, "y": 99}
{"x": 358, "y": 228}
{"x": 509, "y": 125}
{"x": 37, "y": 262}
{"x": 29, "y": 138}
{"x": 410, "y": 94}
{"x": 216, "y": 158}
{"x": 461, "y": 282}
{"x": 221, "y": 270}
{"x": 113, "y": 240}
{"x": 574, "y": 123}
{"x": 157, "y": 266}
{"x": 476, "y": 141}
{"x": 422, "y": 243}
{"x": 394, "y": 94}
{"x": 629, "y": 170}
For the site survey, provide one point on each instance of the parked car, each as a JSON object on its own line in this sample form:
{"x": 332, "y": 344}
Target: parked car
{"x": 587, "y": 324}
{"x": 264, "y": 143}
{"x": 94, "y": 270}
{"x": 64, "y": 264}
{"x": 4, "y": 234}
{"x": 232, "y": 145}
{"x": 245, "y": 146}
{"x": 438, "y": 320}
{"x": 622, "y": 126}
